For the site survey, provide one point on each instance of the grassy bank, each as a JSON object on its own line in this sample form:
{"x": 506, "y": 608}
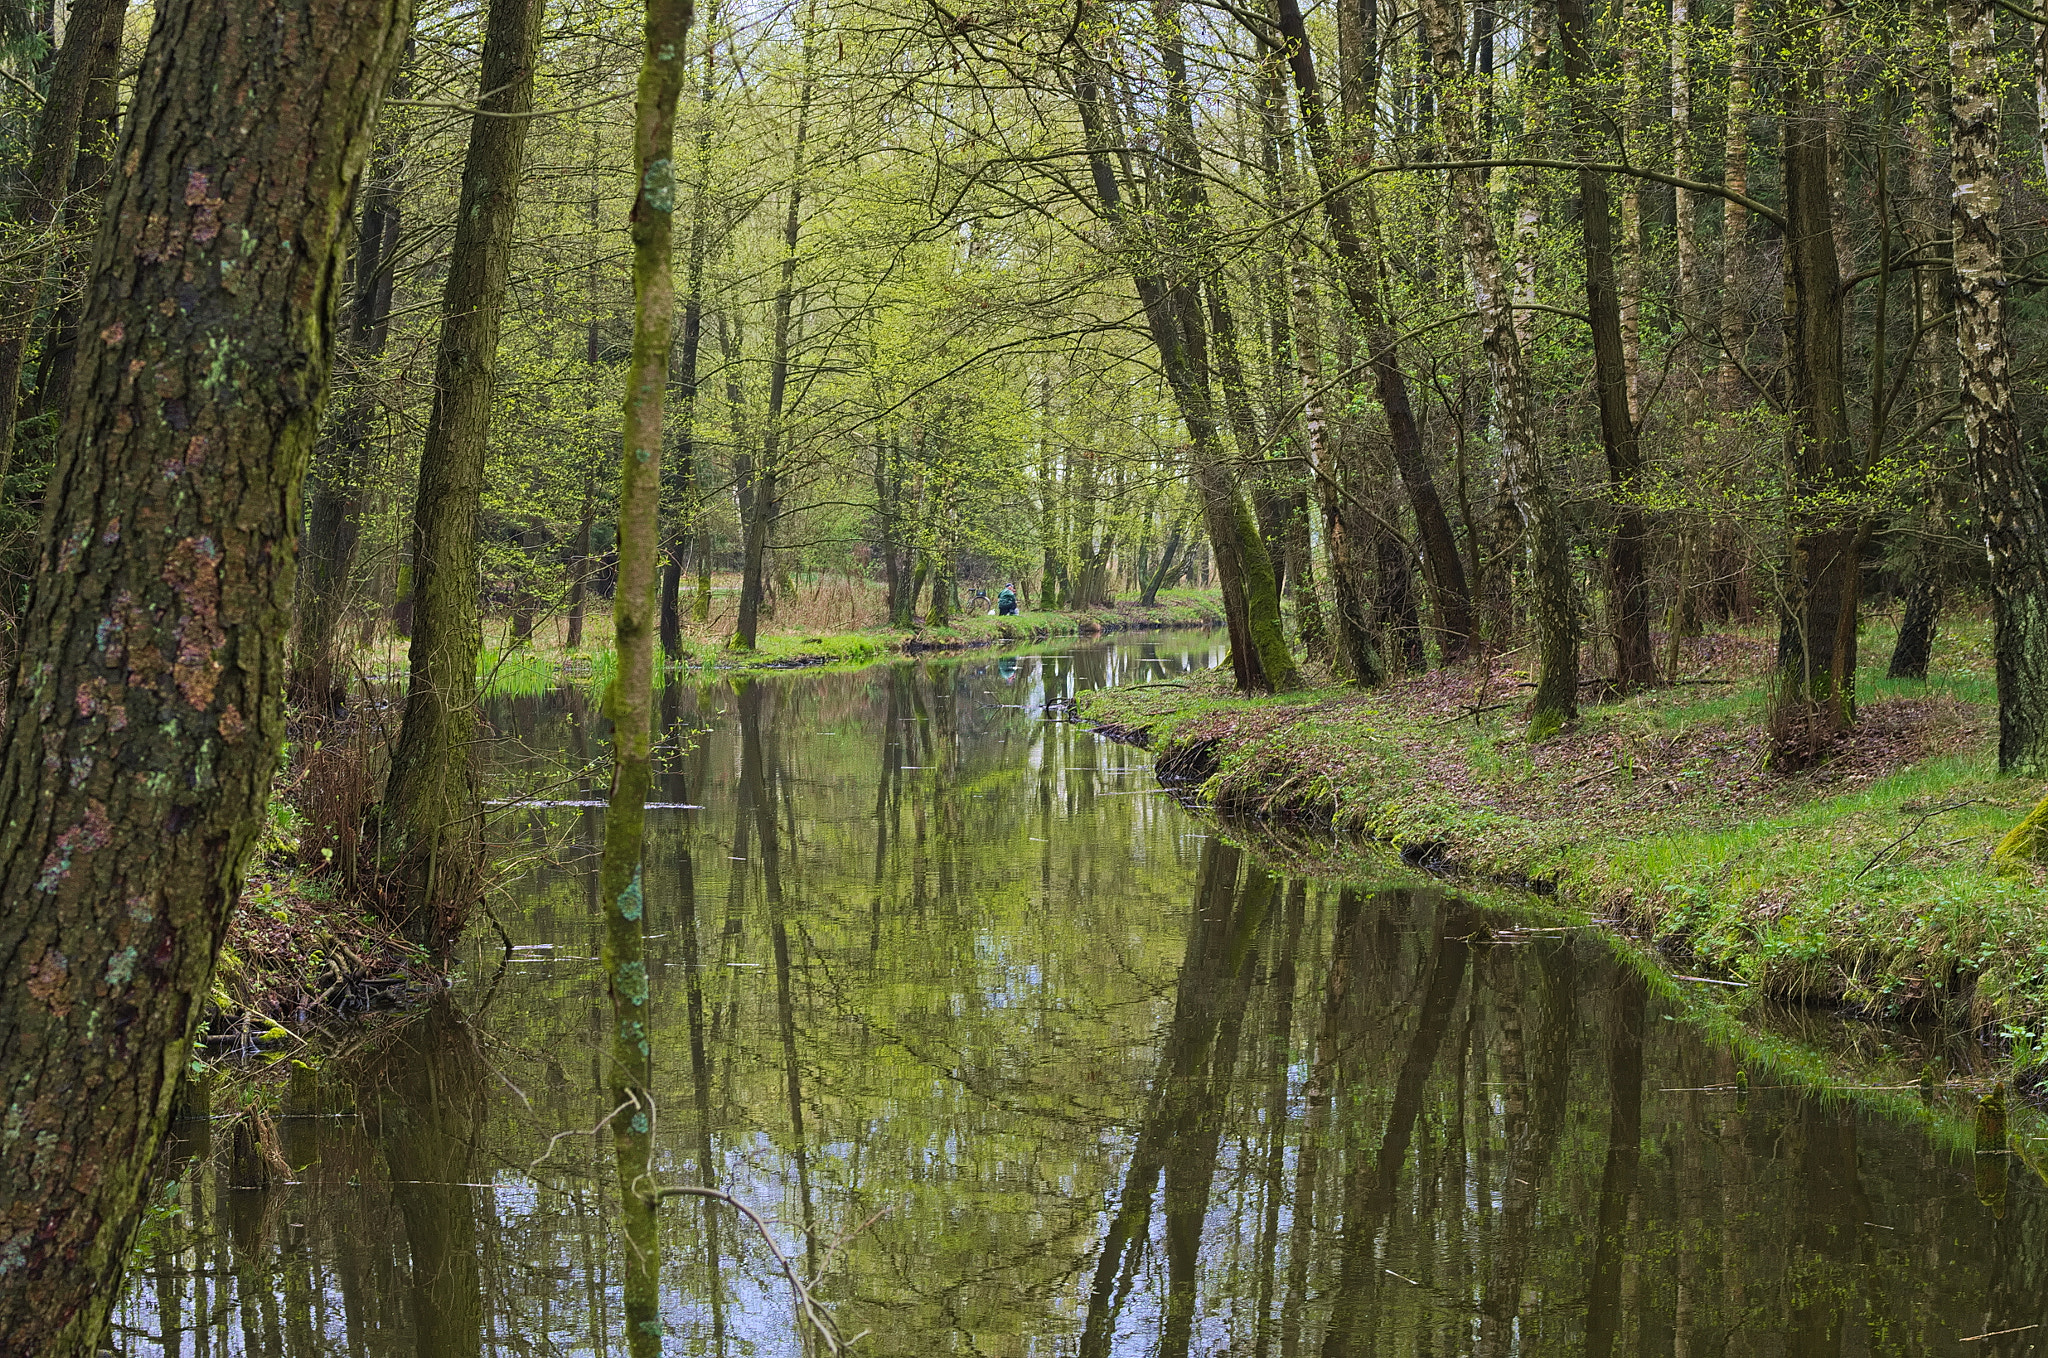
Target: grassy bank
{"x": 542, "y": 664}
{"x": 1864, "y": 880}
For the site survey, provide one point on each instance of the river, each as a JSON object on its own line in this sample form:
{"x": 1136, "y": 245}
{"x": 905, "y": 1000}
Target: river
{"x": 1015, "y": 1055}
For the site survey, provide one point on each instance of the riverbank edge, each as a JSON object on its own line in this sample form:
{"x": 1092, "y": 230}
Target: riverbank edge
{"x": 1806, "y": 941}
{"x": 532, "y": 669}
{"x": 978, "y": 632}
{"x": 1767, "y": 1044}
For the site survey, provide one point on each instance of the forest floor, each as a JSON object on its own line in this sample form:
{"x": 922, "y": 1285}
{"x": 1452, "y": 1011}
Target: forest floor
{"x": 1863, "y": 880}
{"x": 295, "y": 956}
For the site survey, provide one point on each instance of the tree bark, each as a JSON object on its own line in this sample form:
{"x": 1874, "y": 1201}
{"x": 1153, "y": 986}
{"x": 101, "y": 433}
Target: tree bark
{"x": 144, "y": 720}
{"x": 1439, "y": 543}
{"x": 1628, "y": 588}
{"x": 2014, "y": 518}
{"x": 429, "y": 832}
{"x": 1556, "y": 608}
{"x": 631, "y": 702}
{"x": 41, "y": 199}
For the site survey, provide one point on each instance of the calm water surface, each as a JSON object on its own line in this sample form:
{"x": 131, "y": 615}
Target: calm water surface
{"x": 1018, "y": 1057}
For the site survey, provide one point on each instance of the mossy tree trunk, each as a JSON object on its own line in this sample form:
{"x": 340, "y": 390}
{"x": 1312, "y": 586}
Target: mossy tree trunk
{"x": 631, "y": 701}
{"x": 429, "y": 831}
{"x": 2014, "y": 518}
{"x": 146, "y": 710}
{"x": 90, "y": 175}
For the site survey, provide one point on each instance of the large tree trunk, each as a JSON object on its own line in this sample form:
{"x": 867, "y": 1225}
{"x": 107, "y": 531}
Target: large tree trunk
{"x": 1355, "y": 272}
{"x": 1628, "y": 588}
{"x": 41, "y": 197}
{"x": 145, "y": 717}
{"x": 2014, "y": 519}
{"x": 1550, "y": 568}
{"x": 341, "y": 462}
{"x": 631, "y": 1067}
{"x": 430, "y": 827}
{"x": 1818, "y": 601}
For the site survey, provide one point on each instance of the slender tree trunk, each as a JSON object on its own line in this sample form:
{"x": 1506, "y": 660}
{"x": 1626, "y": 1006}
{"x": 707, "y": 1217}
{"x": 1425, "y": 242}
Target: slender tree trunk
{"x": 767, "y": 497}
{"x": 631, "y": 702}
{"x": 2010, "y": 507}
{"x": 327, "y": 557}
{"x": 1734, "y": 325}
{"x": 430, "y": 827}
{"x": 1818, "y": 598}
{"x": 1550, "y": 568}
{"x": 41, "y": 199}
{"x": 1357, "y": 644}
{"x": 1439, "y": 543}
{"x": 685, "y": 474}
{"x": 144, "y": 718}
{"x": 98, "y": 127}
{"x": 1628, "y": 587}
{"x": 1926, "y": 220}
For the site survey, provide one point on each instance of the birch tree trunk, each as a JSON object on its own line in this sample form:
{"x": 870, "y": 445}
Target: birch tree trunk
{"x": 145, "y": 714}
{"x": 1734, "y": 320}
{"x": 1629, "y": 249}
{"x": 1555, "y": 607}
{"x": 429, "y": 831}
{"x": 2015, "y": 521}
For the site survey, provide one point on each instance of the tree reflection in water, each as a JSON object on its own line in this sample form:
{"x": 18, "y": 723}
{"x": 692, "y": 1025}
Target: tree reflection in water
{"x": 1112, "y": 1083}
